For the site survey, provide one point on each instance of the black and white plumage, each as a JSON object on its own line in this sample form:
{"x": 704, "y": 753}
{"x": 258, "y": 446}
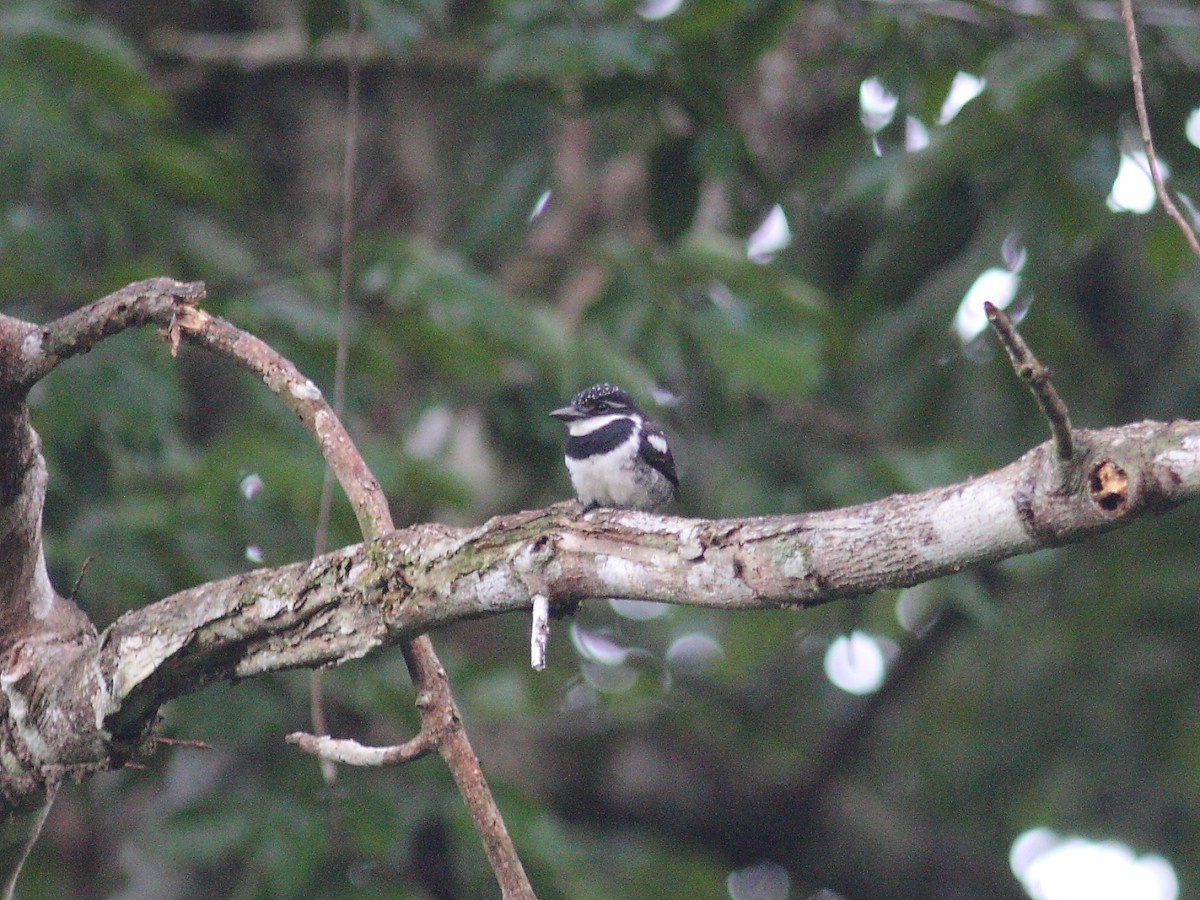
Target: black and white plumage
{"x": 615, "y": 455}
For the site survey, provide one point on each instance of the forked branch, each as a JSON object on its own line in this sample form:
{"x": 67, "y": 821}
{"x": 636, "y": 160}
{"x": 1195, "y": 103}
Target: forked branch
{"x": 172, "y": 306}
{"x": 441, "y": 724}
{"x": 104, "y": 690}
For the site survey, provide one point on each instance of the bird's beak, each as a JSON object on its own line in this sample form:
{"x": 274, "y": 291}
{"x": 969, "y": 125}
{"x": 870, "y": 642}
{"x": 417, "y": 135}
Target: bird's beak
{"x": 566, "y": 414}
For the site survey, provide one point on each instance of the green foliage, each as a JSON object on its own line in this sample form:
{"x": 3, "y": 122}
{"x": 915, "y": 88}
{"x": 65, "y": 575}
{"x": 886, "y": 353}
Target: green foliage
{"x": 1055, "y": 689}
{"x": 397, "y": 23}
{"x": 91, "y": 155}
{"x": 541, "y": 39}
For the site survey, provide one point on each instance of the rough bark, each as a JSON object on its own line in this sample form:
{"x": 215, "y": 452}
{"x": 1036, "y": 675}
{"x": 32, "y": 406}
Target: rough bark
{"x": 73, "y": 701}
{"x": 354, "y": 600}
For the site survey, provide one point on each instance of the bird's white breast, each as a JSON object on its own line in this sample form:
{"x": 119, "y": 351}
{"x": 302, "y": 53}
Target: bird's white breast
{"x": 607, "y": 478}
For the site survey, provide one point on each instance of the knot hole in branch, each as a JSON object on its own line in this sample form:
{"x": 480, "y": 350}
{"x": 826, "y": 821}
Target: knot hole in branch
{"x": 1109, "y": 486}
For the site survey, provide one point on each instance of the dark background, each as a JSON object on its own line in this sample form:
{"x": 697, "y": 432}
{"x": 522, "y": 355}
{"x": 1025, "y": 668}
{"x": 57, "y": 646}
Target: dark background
{"x": 204, "y": 141}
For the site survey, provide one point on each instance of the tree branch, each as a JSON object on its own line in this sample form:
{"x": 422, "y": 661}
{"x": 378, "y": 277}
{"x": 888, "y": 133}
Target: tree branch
{"x": 978, "y": 12}
{"x": 441, "y": 723}
{"x": 41, "y": 668}
{"x": 352, "y": 753}
{"x": 75, "y": 702}
{"x": 1139, "y": 102}
{"x": 1037, "y": 378}
{"x": 155, "y": 300}
{"x": 353, "y": 600}
{"x": 285, "y": 48}
{"x": 304, "y": 399}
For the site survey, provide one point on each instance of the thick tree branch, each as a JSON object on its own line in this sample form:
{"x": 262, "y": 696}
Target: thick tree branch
{"x": 348, "y": 602}
{"x": 39, "y": 669}
{"x": 156, "y": 300}
{"x": 74, "y": 702}
{"x": 441, "y": 724}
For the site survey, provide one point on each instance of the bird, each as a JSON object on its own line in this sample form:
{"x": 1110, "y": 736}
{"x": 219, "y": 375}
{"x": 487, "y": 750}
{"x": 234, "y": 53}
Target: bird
{"x": 615, "y": 455}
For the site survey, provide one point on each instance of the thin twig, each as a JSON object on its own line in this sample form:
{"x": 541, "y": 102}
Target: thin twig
{"x": 540, "y": 633}
{"x": 33, "y": 831}
{"x": 305, "y": 400}
{"x": 349, "y": 157}
{"x": 184, "y": 742}
{"x": 79, "y": 581}
{"x": 1037, "y": 377}
{"x": 979, "y": 12}
{"x": 439, "y": 711}
{"x": 350, "y": 154}
{"x": 171, "y": 305}
{"x": 316, "y": 713}
{"x": 1139, "y": 101}
{"x": 352, "y": 753}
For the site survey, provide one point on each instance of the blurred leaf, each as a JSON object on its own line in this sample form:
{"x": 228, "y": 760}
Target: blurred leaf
{"x": 80, "y": 110}
{"x": 505, "y": 200}
{"x": 697, "y": 20}
{"x": 397, "y": 23}
{"x": 207, "y": 833}
{"x": 540, "y": 39}
{"x": 750, "y": 359}
{"x": 455, "y": 320}
{"x": 84, "y": 56}
{"x": 674, "y": 189}
{"x": 1018, "y": 70}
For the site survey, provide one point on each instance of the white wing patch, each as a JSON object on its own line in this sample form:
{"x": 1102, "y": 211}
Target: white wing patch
{"x": 659, "y": 443}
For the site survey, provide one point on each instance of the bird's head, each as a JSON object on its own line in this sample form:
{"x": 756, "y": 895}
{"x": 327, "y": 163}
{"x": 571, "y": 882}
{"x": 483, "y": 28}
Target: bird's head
{"x": 598, "y": 400}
